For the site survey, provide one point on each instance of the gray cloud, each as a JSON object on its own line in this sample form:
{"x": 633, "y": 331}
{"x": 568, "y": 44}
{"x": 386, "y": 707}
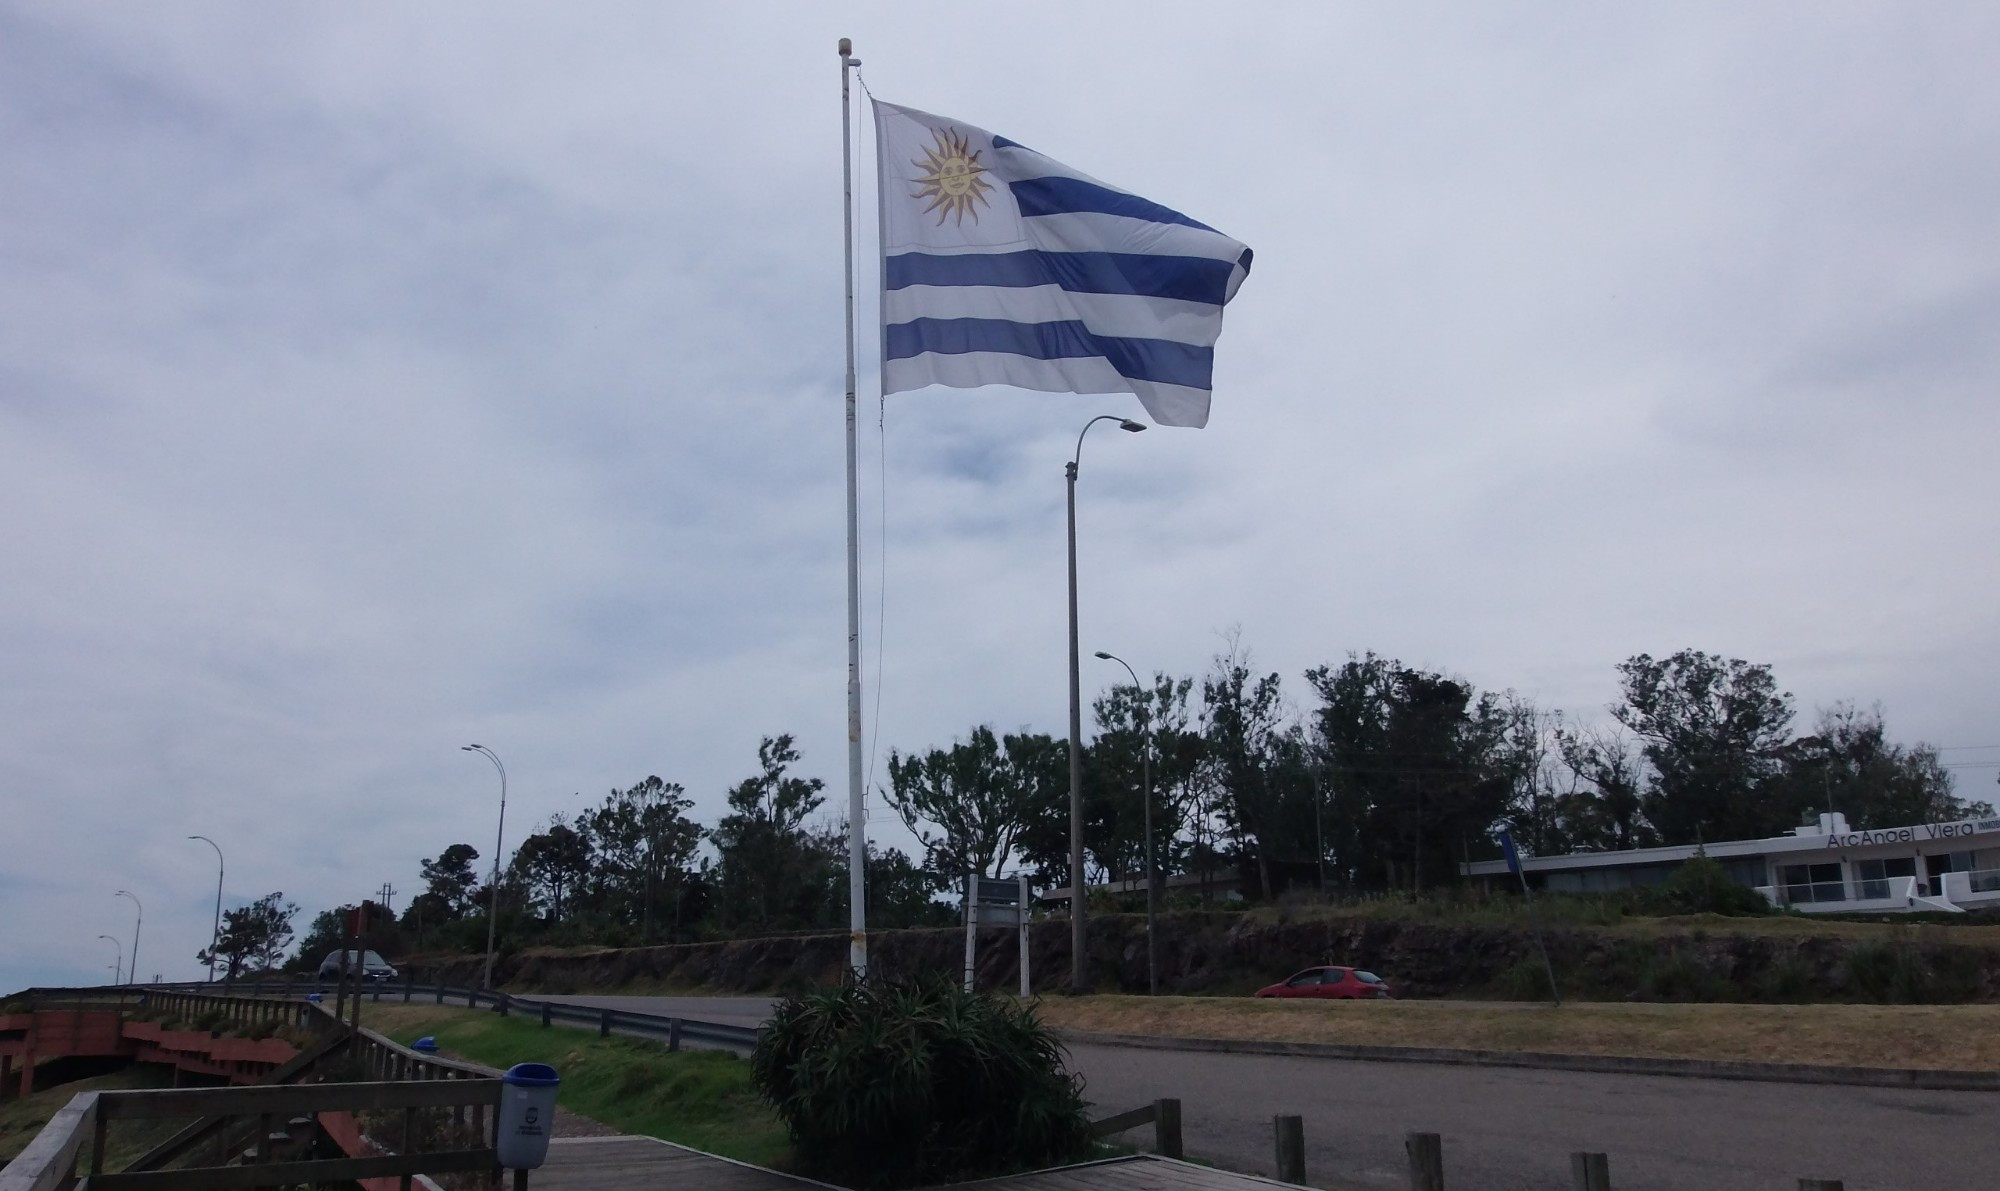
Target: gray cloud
{"x": 373, "y": 382}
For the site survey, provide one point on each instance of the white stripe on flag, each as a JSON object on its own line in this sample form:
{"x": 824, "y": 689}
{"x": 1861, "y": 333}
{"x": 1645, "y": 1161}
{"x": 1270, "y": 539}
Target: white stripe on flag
{"x": 1127, "y": 316}
{"x": 1167, "y": 405}
{"x": 1094, "y": 231}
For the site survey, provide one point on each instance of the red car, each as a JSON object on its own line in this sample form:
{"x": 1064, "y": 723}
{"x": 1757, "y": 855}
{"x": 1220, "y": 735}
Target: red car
{"x": 1329, "y": 983}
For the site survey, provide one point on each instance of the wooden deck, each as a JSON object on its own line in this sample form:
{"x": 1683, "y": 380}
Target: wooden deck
{"x": 605, "y": 1163}
{"x": 1140, "y": 1172}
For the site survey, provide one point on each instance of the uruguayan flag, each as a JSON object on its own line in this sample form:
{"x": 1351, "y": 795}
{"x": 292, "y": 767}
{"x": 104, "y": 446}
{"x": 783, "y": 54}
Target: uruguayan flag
{"x": 1003, "y": 267}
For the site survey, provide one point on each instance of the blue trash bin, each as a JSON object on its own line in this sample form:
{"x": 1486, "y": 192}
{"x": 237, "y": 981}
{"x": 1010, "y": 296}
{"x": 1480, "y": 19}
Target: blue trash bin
{"x": 427, "y": 1044}
{"x": 526, "y": 1115}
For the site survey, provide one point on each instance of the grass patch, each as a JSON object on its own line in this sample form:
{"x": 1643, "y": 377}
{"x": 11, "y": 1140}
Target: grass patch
{"x": 1614, "y": 915}
{"x": 1934, "y": 1037}
{"x": 22, "y": 1117}
{"x": 698, "y": 1098}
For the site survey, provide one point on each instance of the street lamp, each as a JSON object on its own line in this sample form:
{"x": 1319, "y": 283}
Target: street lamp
{"x": 493, "y": 903}
{"x": 117, "y": 965}
{"x": 132, "y": 976}
{"x": 215, "y": 937}
{"x": 1146, "y": 788}
{"x": 1079, "y": 972}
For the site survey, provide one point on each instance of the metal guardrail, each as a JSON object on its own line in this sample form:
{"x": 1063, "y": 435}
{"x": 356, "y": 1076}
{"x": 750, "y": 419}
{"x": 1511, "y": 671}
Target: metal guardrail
{"x": 672, "y": 1030}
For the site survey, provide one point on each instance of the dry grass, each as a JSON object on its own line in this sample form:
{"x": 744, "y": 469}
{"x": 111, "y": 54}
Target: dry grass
{"x": 1938, "y": 1037}
{"x": 1585, "y": 913}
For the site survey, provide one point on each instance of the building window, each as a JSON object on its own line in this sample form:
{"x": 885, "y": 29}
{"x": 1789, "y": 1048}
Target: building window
{"x": 1807, "y": 883}
{"x": 1874, "y": 875}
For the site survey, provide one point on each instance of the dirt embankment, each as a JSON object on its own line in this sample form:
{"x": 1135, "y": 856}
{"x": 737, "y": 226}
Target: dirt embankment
{"x": 1206, "y": 952}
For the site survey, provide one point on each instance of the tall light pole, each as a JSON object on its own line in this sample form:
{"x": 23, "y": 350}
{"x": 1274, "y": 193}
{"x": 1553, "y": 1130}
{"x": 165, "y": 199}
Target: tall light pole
{"x": 1079, "y": 969}
{"x": 117, "y": 965}
{"x": 493, "y": 903}
{"x": 1146, "y": 791}
{"x": 215, "y": 937}
{"x": 132, "y": 976}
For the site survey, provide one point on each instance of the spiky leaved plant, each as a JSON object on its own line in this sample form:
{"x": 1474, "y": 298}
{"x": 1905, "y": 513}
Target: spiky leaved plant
{"x": 903, "y": 1083}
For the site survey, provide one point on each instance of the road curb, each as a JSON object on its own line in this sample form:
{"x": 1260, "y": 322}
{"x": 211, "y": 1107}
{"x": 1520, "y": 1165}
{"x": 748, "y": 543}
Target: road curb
{"x": 1866, "y": 1077}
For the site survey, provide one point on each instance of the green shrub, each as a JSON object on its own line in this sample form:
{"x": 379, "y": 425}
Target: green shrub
{"x": 1883, "y": 972}
{"x": 1701, "y": 886}
{"x": 1788, "y": 979}
{"x": 905, "y": 1083}
{"x": 1679, "y": 976}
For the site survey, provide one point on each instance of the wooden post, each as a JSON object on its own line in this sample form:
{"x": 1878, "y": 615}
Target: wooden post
{"x": 99, "y": 1126}
{"x": 500, "y": 1003}
{"x": 604, "y": 1024}
{"x": 440, "y": 993}
{"x": 520, "y": 1180}
{"x": 1027, "y": 985}
{"x": 1167, "y": 1128}
{"x": 406, "y": 989}
{"x": 545, "y": 1015}
{"x": 1591, "y": 1172}
{"x": 1291, "y": 1139}
{"x": 673, "y": 1033}
{"x": 1426, "y": 1152}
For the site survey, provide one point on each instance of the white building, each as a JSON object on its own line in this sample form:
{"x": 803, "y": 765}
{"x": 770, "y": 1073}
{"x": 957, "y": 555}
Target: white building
{"x": 1824, "y": 867}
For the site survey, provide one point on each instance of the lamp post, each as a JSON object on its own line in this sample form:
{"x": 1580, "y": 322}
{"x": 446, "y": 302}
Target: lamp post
{"x": 215, "y": 936}
{"x": 132, "y": 975}
{"x": 1146, "y": 791}
{"x": 117, "y": 965}
{"x": 493, "y": 903}
{"x": 1079, "y": 971}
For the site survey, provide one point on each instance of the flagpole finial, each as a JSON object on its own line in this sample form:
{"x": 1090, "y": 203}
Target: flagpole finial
{"x": 846, "y": 48}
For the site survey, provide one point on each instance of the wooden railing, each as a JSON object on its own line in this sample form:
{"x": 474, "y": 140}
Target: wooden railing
{"x": 262, "y": 1135}
{"x": 49, "y": 1163}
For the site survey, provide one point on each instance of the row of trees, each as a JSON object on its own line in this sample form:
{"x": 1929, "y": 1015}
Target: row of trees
{"x": 1387, "y": 778}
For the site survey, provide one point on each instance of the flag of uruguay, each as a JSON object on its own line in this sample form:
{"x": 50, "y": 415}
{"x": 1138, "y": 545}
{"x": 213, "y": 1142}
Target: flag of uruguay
{"x": 1003, "y": 267}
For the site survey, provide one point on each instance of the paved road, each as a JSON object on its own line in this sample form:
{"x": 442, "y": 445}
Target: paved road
{"x": 1514, "y": 1129}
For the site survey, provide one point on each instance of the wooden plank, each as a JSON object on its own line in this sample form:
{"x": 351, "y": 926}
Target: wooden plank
{"x": 1124, "y": 1120}
{"x": 293, "y": 1099}
{"x": 1140, "y": 1172}
{"x": 46, "y": 1161}
{"x": 604, "y": 1164}
{"x": 323, "y": 1170}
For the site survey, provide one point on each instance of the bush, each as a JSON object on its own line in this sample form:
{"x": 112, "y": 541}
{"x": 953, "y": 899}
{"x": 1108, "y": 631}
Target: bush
{"x": 905, "y": 1083}
{"x": 1701, "y": 886}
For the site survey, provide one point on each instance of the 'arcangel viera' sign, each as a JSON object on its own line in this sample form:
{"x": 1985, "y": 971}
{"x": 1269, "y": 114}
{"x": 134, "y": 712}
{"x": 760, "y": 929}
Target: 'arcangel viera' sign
{"x": 1911, "y": 835}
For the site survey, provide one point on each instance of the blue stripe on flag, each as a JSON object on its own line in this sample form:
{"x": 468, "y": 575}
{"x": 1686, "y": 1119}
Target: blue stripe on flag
{"x": 1188, "y": 278}
{"x": 1155, "y": 360}
{"x": 1059, "y": 196}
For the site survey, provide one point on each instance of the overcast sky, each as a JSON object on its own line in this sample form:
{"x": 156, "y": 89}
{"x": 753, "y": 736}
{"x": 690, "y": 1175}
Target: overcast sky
{"x": 376, "y": 379}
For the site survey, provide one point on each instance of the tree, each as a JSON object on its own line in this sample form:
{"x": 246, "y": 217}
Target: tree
{"x": 973, "y": 794}
{"x": 1600, "y": 808}
{"x": 451, "y": 881}
{"x": 1135, "y": 724}
{"x": 769, "y": 874}
{"x": 1849, "y": 765}
{"x": 1040, "y": 764}
{"x": 1243, "y": 715}
{"x": 1419, "y": 765}
{"x": 645, "y": 844}
{"x": 552, "y": 862}
{"x": 1713, "y": 732}
{"x": 254, "y": 937}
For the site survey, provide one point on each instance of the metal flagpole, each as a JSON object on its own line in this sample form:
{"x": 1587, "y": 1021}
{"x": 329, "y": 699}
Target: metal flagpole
{"x": 857, "y": 812}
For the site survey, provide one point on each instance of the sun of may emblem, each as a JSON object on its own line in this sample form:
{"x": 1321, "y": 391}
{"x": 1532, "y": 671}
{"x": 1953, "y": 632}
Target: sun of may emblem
{"x": 951, "y": 178}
